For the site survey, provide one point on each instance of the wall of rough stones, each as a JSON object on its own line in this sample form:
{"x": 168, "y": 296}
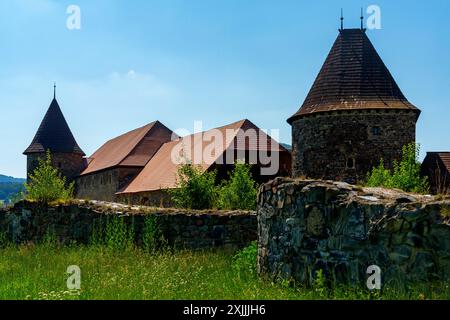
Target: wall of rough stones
{"x": 27, "y": 222}
{"x": 69, "y": 164}
{"x": 103, "y": 185}
{"x": 306, "y": 226}
{"x": 345, "y": 145}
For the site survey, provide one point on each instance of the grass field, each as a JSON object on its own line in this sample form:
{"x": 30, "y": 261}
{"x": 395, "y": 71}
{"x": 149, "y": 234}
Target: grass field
{"x": 39, "y": 272}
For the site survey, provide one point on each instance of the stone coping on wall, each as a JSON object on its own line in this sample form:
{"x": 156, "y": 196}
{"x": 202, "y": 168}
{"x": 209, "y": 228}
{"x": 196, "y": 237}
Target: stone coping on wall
{"x": 104, "y": 207}
{"x": 373, "y": 195}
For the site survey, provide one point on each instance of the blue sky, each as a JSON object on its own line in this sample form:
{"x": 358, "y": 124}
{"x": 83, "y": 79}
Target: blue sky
{"x": 218, "y": 61}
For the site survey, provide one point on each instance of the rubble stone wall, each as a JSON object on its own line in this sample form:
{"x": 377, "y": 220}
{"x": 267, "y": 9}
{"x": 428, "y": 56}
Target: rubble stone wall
{"x": 306, "y": 226}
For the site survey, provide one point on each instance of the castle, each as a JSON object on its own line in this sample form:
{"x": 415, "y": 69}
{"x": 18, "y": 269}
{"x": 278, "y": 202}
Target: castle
{"x": 354, "y": 115}
{"x": 138, "y": 166}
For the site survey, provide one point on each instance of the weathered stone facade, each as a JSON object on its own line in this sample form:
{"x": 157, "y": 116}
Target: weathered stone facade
{"x": 103, "y": 185}
{"x": 345, "y": 145}
{"x": 28, "y": 222}
{"x": 70, "y": 165}
{"x": 304, "y": 226}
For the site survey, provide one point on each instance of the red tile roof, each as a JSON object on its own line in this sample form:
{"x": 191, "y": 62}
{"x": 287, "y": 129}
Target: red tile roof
{"x": 161, "y": 171}
{"x": 134, "y": 148}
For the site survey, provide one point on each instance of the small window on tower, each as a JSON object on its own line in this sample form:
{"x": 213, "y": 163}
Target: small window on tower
{"x": 376, "y": 131}
{"x": 350, "y": 163}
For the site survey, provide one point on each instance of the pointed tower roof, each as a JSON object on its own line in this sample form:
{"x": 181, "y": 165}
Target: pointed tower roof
{"x": 54, "y": 134}
{"x": 353, "y": 77}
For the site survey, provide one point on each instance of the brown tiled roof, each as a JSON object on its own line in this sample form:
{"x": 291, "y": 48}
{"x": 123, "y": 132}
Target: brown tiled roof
{"x": 353, "y": 77}
{"x": 161, "y": 171}
{"x": 134, "y": 148}
{"x": 444, "y": 157}
{"x": 54, "y": 134}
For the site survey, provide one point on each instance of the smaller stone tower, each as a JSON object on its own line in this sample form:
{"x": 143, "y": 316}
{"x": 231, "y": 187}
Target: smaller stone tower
{"x": 54, "y": 135}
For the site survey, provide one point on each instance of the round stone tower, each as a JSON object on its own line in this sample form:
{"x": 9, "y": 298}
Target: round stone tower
{"x": 354, "y": 115}
{"x": 54, "y": 135}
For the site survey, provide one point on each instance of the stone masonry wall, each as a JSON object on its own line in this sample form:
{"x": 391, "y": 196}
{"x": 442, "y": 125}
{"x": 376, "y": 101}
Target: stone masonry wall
{"x": 27, "y": 222}
{"x": 69, "y": 164}
{"x": 103, "y": 185}
{"x": 345, "y": 145}
{"x": 304, "y": 226}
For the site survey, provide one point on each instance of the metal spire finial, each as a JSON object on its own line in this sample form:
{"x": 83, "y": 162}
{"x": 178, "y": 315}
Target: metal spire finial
{"x": 54, "y": 90}
{"x": 342, "y": 19}
{"x": 362, "y": 19}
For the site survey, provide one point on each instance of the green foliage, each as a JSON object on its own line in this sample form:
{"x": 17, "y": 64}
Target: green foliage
{"x": 46, "y": 185}
{"x": 118, "y": 235}
{"x": 405, "y": 174}
{"x": 50, "y": 240}
{"x": 244, "y": 261}
{"x": 3, "y": 240}
{"x": 97, "y": 237}
{"x": 379, "y": 177}
{"x": 240, "y": 191}
{"x": 320, "y": 285}
{"x": 196, "y": 189}
{"x": 152, "y": 237}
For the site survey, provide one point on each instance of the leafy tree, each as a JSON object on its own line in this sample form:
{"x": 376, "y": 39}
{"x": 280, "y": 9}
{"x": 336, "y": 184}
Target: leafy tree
{"x": 405, "y": 174}
{"x": 196, "y": 189}
{"x": 239, "y": 192}
{"x": 46, "y": 184}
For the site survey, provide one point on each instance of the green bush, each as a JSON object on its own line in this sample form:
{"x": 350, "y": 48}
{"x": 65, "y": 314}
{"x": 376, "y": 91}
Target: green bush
{"x": 239, "y": 192}
{"x": 196, "y": 189}
{"x": 152, "y": 237}
{"x": 46, "y": 184}
{"x": 245, "y": 261}
{"x": 405, "y": 174}
{"x": 118, "y": 236}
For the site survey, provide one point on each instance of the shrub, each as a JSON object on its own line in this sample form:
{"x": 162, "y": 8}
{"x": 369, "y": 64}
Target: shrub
{"x": 405, "y": 174}
{"x": 196, "y": 189}
{"x": 118, "y": 236}
{"x": 320, "y": 285}
{"x": 239, "y": 192}
{"x": 152, "y": 237}
{"x": 244, "y": 261}
{"x": 46, "y": 184}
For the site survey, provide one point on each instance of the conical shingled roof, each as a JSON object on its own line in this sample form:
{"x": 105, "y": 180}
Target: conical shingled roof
{"x": 353, "y": 77}
{"x": 54, "y": 134}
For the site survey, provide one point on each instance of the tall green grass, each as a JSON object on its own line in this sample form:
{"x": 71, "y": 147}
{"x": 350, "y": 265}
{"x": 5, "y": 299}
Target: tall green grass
{"x": 107, "y": 272}
{"x": 112, "y": 267}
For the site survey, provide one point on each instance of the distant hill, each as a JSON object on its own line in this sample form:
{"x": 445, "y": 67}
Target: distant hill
{"x": 7, "y": 179}
{"x": 9, "y": 188}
